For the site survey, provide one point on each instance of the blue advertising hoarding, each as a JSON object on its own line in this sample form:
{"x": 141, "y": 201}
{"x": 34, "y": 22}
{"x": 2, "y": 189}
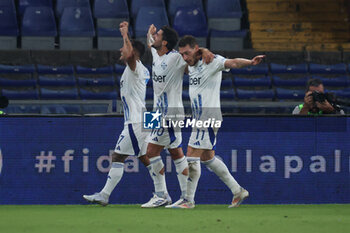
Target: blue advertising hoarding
{"x": 55, "y": 160}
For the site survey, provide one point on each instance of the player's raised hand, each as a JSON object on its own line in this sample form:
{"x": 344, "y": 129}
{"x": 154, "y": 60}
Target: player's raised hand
{"x": 124, "y": 27}
{"x": 150, "y": 35}
{"x": 152, "y": 29}
{"x": 257, "y": 60}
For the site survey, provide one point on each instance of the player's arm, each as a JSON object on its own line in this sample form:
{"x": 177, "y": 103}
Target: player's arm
{"x": 151, "y": 31}
{"x": 128, "y": 50}
{"x": 241, "y": 62}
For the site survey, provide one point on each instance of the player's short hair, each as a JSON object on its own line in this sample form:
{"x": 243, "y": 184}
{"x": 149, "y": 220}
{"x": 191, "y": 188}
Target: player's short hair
{"x": 170, "y": 36}
{"x": 313, "y": 82}
{"x": 188, "y": 40}
{"x": 138, "y": 46}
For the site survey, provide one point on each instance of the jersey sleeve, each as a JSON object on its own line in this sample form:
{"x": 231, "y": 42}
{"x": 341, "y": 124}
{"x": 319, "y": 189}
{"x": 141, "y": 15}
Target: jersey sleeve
{"x": 218, "y": 63}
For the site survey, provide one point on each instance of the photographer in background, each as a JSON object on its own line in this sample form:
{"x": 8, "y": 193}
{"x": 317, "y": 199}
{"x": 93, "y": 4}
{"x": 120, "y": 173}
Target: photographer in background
{"x": 4, "y": 102}
{"x": 316, "y": 101}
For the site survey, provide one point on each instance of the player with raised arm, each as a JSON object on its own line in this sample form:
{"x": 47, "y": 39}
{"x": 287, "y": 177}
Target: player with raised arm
{"x": 167, "y": 73}
{"x": 204, "y": 89}
{"x": 132, "y": 93}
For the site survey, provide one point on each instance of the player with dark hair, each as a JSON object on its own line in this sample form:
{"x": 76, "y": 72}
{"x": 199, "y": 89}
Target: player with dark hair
{"x": 132, "y": 92}
{"x": 167, "y": 73}
{"x": 204, "y": 90}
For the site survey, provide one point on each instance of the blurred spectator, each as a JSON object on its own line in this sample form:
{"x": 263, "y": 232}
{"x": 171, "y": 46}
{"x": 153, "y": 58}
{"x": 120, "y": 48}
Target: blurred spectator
{"x": 316, "y": 101}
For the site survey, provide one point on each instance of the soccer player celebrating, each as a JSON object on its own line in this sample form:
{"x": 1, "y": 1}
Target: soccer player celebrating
{"x": 204, "y": 89}
{"x": 132, "y": 139}
{"x": 167, "y": 73}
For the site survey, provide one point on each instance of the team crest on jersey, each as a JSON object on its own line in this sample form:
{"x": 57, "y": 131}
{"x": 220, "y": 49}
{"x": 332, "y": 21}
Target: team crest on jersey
{"x": 163, "y": 65}
{"x": 199, "y": 68}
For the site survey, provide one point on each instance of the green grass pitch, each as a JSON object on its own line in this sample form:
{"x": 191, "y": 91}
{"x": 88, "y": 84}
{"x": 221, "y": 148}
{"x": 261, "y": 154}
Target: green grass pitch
{"x": 330, "y": 218}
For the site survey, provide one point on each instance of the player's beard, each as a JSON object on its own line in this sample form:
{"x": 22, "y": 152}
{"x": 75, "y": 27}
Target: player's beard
{"x": 157, "y": 47}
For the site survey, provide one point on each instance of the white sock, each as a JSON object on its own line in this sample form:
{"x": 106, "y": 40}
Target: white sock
{"x": 180, "y": 165}
{"x": 114, "y": 176}
{"x": 158, "y": 179}
{"x": 194, "y": 174}
{"x": 220, "y": 169}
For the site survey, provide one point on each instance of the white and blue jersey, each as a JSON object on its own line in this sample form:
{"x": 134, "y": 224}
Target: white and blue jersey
{"x": 167, "y": 77}
{"x": 133, "y": 92}
{"x": 132, "y": 140}
{"x": 204, "y": 89}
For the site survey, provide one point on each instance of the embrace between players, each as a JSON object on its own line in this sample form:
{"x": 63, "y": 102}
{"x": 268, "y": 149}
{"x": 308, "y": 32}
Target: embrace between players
{"x": 171, "y": 65}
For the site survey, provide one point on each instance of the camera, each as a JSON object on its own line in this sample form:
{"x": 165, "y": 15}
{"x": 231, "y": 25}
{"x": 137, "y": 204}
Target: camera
{"x": 319, "y": 96}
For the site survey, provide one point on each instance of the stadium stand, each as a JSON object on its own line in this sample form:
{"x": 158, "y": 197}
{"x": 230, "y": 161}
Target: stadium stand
{"x": 23, "y": 4}
{"x": 137, "y": 4}
{"x": 67, "y": 93}
{"x": 23, "y": 109}
{"x": 21, "y": 94}
{"x": 252, "y": 81}
{"x": 192, "y": 21}
{"x": 38, "y": 28}
{"x": 174, "y": 5}
{"x": 298, "y": 25}
{"x": 227, "y": 40}
{"x": 8, "y": 27}
{"x": 94, "y": 70}
{"x": 289, "y": 69}
{"x": 104, "y": 81}
{"x": 252, "y": 70}
{"x": 289, "y": 82}
{"x": 224, "y": 22}
{"x": 109, "y": 95}
{"x": 338, "y": 81}
{"x": 327, "y": 69}
{"x": 76, "y": 29}
{"x": 255, "y": 94}
{"x": 108, "y": 15}
{"x": 147, "y": 16}
{"x": 62, "y": 74}
{"x": 62, "y": 4}
{"x": 289, "y": 94}
{"x": 56, "y": 81}
{"x": 227, "y": 94}
{"x": 60, "y": 109}
{"x": 224, "y": 15}
{"x": 43, "y": 69}
{"x": 17, "y": 69}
